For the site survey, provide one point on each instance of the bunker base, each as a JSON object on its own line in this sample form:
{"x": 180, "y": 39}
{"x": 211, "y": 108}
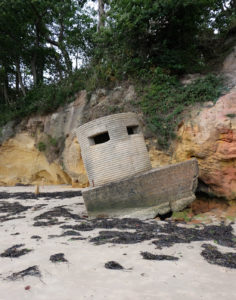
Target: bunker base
{"x": 145, "y": 195}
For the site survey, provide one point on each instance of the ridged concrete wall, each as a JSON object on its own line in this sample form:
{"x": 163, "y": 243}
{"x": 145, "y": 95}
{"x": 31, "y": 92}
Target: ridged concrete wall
{"x": 122, "y": 156}
{"x": 160, "y": 190}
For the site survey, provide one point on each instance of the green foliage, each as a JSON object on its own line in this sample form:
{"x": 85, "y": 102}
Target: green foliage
{"x": 183, "y": 215}
{"x": 44, "y": 99}
{"x": 42, "y": 146}
{"x": 151, "y": 33}
{"x": 165, "y": 98}
{"x": 53, "y": 141}
{"x": 231, "y": 115}
{"x": 38, "y": 41}
{"x": 231, "y": 218}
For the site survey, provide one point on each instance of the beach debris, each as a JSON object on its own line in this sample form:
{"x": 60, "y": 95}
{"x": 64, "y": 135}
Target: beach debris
{"x": 214, "y": 256}
{"x": 39, "y": 206}
{"x": 71, "y": 232}
{"x": 31, "y": 271}
{"x": 36, "y": 237}
{"x": 58, "y": 257}
{"x": 150, "y": 256}
{"x": 14, "y": 251}
{"x": 11, "y": 210}
{"x": 45, "y": 195}
{"x": 163, "y": 234}
{"x": 121, "y": 237}
{"x": 113, "y": 265}
{"x": 58, "y": 211}
{"x": 66, "y": 233}
{"x": 4, "y": 219}
{"x": 27, "y": 288}
{"x": 52, "y": 215}
{"x": 171, "y": 234}
{"x": 84, "y": 226}
{"x": 48, "y": 223}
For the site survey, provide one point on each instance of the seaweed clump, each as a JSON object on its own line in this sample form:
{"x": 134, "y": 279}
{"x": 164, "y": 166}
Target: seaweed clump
{"x": 14, "y": 251}
{"x": 31, "y": 271}
{"x": 59, "y": 257}
{"x": 58, "y": 211}
{"x": 113, "y": 265}
{"x": 46, "y": 195}
{"x": 11, "y": 209}
{"x": 164, "y": 235}
{"x": 214, "y": 256}
{"x": 121, "y": 237}
{"x": 150, "y": 256}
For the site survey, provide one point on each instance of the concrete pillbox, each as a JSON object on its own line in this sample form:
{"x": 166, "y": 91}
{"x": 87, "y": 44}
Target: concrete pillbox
{"x": 122, "y": 182}
{"x": 113, "y": 148}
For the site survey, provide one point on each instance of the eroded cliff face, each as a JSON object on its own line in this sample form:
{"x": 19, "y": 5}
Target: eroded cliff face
{"x": 73, "y": 162}
{"x": 21, "y": 162}
{"x": 210, "y": 136}
{"x": 45, "y": 150}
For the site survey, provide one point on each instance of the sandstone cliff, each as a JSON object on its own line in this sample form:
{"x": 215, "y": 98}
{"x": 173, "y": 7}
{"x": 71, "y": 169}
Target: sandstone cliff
{"x": 45, "y": 150}
{"x": 210, "y": 136}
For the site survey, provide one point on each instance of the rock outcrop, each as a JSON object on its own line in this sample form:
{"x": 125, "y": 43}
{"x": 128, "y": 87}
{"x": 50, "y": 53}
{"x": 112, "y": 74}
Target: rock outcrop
{"x": 229, "y": 68}
{"x": 43, "y": 149}
{"x": 73, "y": 162}
{"x": 208, "y": 133}
{"x": 21, "y": 162}
{"x": 210, "y": 136}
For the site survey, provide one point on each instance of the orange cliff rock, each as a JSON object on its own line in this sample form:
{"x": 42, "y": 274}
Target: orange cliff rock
{"x": 210, "y": 136}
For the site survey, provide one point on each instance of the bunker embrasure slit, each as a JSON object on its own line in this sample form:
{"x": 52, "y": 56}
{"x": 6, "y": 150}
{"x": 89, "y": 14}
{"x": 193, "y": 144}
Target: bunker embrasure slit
{"x": 99, "y": 138}
{"x": 132, "y": 129}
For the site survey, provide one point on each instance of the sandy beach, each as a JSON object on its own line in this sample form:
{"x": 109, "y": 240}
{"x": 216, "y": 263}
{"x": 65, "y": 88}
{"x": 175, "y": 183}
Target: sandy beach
{"x": 83, "y": 275}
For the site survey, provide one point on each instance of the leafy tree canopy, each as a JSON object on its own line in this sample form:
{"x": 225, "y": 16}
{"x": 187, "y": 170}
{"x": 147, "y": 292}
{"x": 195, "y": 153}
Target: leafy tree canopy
{"x": 45, "y": 42}
{"x": 146, "y": 33}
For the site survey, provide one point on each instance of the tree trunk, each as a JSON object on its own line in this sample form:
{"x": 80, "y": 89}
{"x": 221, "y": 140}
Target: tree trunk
{"x": 62, "y": 47}
{"x": 17, "y": 83}
{"x": 66, "y": 58}
{"x": 5, "y": 89}
{"x": 101, "y": 14}
{"x": 37, "y": 62}
{"x": 22, "y": 87}
{"x": 58, "y": 67}
{"x": 33, "y": 68}
{"x": 40, "y": 68}
{"x": 233, "y": 4}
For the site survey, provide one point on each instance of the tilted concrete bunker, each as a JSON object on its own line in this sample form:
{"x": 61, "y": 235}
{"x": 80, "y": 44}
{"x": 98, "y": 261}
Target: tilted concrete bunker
{"x": 122, "y": 182}
{"x": 113, "y": 148}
